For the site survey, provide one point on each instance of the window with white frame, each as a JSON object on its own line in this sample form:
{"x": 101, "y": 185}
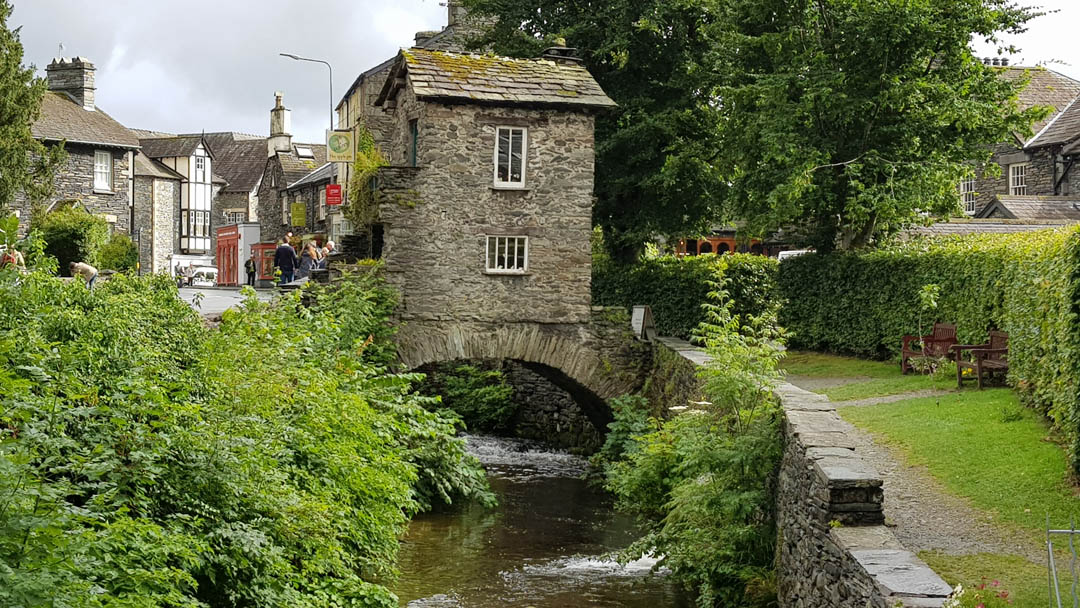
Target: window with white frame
{"x": 103, "y": 170}
{"x": 284, "y": 209}
{"x": 511, "y": 152}
{"x": 1018, "y": 179}
{"x": 322, "y": 203}
{"x": 342, "y": 227}
{"x": 967, "y": 194}
{"x": 235, "y": 217}
{"x": 507, "y": 254}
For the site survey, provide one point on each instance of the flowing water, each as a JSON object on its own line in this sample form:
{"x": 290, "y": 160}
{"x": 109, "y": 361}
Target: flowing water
{"x": 547, "y": 545}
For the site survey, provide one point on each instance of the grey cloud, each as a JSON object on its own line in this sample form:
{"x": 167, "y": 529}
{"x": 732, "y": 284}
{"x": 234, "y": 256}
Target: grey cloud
{"x": 214, "y": 65}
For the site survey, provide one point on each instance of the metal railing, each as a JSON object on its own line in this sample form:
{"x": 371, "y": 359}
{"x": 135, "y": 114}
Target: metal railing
{"x": 1053, "y": 578}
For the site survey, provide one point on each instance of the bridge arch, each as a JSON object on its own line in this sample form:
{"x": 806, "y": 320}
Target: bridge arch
{"x": 581, "y": 359}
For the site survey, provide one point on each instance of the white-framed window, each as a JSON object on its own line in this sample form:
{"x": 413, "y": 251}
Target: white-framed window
{"x": 507, "y": 254}
{"x": 235, "y": 217}
{"x": 322, "y": 203}
{"x": 342, "y": 227}
{"x": 511, "y": 156}
{"x": 103, "y": 169}
{"x": 284, "y": 209}
{"x": 967, "y": 195}
{"x": 1018, "y": 179}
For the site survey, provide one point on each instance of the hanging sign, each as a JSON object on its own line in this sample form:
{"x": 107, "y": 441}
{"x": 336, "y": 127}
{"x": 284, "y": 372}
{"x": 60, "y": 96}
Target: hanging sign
{"x": 333, "y": 195}
{"x": 340, "y": 147}
{"x": 299, "y": 214}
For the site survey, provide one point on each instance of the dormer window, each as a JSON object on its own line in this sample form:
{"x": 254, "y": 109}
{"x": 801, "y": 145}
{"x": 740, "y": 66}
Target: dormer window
{"x": 306, "y": 153}
{"x": 511, "y": 151}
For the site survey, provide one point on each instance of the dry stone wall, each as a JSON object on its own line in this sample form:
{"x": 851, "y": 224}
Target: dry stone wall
{"x": 834, "y": 549}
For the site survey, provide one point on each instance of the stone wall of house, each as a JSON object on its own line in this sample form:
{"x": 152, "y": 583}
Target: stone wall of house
{"x": 310, "y": 195}
{"x": 75, "y": 181}
{"x": 270, "y": 192}
{"x": 1040, "y": 174}
{"x": 435, "y": 235}
{"x": 157, "y": 220}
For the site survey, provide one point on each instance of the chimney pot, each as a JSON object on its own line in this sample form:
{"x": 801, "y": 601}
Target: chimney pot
{"x": 280, "y": 125}
{"x": 423, "y": 37}
{"x": 1004, "y": 61}
{"x": 997, "y": 61}
{"x": 563, "y": 55}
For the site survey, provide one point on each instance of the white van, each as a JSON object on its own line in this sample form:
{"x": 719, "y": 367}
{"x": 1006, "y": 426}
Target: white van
{"x": 204, "y": 276}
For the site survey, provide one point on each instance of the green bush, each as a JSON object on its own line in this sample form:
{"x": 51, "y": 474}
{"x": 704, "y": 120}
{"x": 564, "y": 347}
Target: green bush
{"x": 72, "y": 234}
{"x": 1025, "y": 284}
{"x": 705, "y": 480}
{"x": 677, "y": 288}
{"x": 480, "y": 395}
{"x": 118, "y": 253}
{"x": 147, "y": 461}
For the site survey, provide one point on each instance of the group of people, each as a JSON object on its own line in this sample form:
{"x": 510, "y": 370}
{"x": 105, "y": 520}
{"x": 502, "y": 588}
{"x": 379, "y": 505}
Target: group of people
{"x": 294, "y": 267}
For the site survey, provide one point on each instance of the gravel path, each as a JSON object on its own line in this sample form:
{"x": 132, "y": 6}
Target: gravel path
{"x": 923, "y": 514}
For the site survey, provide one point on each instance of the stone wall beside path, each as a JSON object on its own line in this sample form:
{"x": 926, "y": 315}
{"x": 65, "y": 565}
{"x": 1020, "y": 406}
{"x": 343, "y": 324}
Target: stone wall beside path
{"x": 834, "y": 549}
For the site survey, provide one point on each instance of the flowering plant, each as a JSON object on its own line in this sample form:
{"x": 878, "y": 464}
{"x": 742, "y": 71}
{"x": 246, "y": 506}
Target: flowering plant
{"x": 984, "y": 595}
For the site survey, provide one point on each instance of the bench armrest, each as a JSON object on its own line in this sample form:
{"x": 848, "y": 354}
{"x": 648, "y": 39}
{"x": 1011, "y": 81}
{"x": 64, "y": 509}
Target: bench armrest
{"x": 979, "y": 353}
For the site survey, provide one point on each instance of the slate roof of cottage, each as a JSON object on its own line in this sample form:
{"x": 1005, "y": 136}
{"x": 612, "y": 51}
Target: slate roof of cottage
{"x": 176, "y": 145}
{"x": 63, "y": 119}
{"x": 148, "y": 167}
{"x": 1038, "y": 208}
{"x": 239, "y": 158}
{"x": 440, "y": 75}
{"x": 323, "y": 173}
{"x": 958, "y": 227}
{"x": 1045, "y": 88}
{"x": 1064, "y": 127}
{"x": 295, "y": 168}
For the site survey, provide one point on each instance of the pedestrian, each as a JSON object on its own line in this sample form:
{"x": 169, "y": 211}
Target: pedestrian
{"x": 324, "y": 261}
{"x": 309, "y": 260}
{"x": 14, "y": 258}
{"x": 285, "y": 261}
{"x": 249, "y": 267}
{"x": 86, "y": 271}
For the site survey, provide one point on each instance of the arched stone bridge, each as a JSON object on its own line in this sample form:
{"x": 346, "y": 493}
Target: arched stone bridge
{"x": 593, "y": 361}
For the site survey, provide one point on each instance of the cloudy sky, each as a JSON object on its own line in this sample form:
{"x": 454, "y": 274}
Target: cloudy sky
{"x": 204, "y": 65}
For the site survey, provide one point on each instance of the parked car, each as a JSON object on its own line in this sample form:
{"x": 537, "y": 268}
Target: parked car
{"x": 204, "y": 276}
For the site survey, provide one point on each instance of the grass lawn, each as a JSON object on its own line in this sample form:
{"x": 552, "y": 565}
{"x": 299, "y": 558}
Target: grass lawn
{"x": 1026, "y": 582}
{"x": 874, "y": 378}
{"x": 983, "y": 445}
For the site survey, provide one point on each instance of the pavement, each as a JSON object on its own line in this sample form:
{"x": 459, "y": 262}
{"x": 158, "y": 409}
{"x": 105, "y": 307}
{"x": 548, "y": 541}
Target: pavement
{"x": 217, "y": 300}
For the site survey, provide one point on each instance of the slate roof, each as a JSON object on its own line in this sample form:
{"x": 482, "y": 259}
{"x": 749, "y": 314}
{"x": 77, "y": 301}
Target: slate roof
{"x": 323, "y": 173}
{"x": 1045, "y": 88}
{"x": 168, "y": 147}
{"x": 957, "y": 227}
{"x": 148, "y": 167}
{"x": 440, "y": 75}
{"x": 63, "y": 119}
{"x": 1061, "y": 209}
{"x": 239, "y": 158}
{"x": 295, "y": 168}
{"x": 1062, "y": 128}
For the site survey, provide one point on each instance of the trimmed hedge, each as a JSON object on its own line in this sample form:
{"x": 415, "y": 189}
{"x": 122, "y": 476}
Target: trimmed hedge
{"x": 676, "y": 288}
{"x": 1026, "y": 284}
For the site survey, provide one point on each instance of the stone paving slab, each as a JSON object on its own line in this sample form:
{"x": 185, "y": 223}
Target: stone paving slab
{"x": 901, "y": 573}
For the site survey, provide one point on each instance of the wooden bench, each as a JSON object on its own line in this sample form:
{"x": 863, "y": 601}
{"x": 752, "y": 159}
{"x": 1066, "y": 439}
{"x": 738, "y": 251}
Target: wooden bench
{"x": 936, "y": 345}
{"x": 991, "y": 358}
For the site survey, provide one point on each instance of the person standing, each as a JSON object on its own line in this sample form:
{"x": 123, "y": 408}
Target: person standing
{"x": 324, "y": 259}
{"x": 309, "y": 260}
{"x": 285, "y": 260}
{"x": 250, "y": 267}
{"x": 86, "y": 271}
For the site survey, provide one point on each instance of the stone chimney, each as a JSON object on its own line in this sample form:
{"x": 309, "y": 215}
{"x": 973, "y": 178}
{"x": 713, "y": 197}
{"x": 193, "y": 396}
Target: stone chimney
{"x": 75, "y": 77}
{"x": 422, "y": 37}
{"x": 562, "y": 54}
{"x": 455, "y": 13}
{"x": 280, "y": 125}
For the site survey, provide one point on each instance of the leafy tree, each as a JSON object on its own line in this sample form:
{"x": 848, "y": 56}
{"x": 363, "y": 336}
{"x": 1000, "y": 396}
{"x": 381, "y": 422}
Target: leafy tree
{"x": 848, "y": 117}
{"x": 653, "y": 171}
{"x": 843, "y": 117}
{"x": 26, "y": 165}
{"x": 72, "y": 234}
{"x": 118, "y": 253}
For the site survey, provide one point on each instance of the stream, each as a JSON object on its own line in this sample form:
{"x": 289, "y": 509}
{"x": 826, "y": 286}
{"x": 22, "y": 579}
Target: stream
{"x": 547, "y": 544}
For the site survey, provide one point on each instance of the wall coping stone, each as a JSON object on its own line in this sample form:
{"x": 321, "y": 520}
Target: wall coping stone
{"x": 855, "y": 497}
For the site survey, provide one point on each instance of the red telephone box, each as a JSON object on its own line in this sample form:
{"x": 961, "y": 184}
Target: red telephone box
{"x": 264, "y": 259}
{"x": 228, "y": 256}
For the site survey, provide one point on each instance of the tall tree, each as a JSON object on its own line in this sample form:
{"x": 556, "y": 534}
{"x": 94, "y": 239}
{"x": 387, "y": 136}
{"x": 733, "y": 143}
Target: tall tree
{"x": 26, "y": 165}
{"x": 847, "y": 118}
{"x": 653, "y": 170}
{"x": 843, "y": 118}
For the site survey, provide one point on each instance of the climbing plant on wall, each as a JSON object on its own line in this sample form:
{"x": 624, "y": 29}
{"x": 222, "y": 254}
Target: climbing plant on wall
{"x": 363, "y": 208}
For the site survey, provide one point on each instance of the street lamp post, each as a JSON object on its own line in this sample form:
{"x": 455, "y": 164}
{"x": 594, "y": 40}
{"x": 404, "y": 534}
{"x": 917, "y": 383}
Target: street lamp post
{"x": 328, "y": 66}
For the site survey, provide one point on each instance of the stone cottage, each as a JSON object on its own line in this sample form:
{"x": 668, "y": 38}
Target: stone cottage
{"x": 486, "y": 211}
{"x": 286, "y": 164}
{"x": 157, "y": 214}
{"x": 310, "y": 191}
{"x": 1040, "y": 165}
{"x": 100, "y": 151}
